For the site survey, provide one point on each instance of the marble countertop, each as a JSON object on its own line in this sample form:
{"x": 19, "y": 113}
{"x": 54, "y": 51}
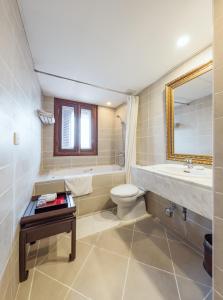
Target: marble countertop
{"x": 193, "y": 191}
{"x": 205, "y": 180}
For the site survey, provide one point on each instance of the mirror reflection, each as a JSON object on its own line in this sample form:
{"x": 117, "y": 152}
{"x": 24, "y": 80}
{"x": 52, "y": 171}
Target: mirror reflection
{"x": 193, "y": 116}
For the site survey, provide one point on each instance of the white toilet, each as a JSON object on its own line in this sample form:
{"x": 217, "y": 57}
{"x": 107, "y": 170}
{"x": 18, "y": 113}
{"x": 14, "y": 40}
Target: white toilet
{"x": 129, "y": 200}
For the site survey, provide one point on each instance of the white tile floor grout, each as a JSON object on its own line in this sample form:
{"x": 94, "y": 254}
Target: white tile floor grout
{"x": 100, "y": 221}
{"x": 147, "y": 265}
{"x": 178, "y": 291}
{"x": 19, "y": 286}
{"x": 121, "y": 223}
{"x": 31, "y": 285}
{"x": 70, "y": 288}
{"x": 198, "y": 282}
{"x": 157, "y": 236}
{"x": 114, "y": 253}
{"x": 150, "y": 266}
{"x": 78, "y": 273}
{"x": 220, "y": 295}
{"x": 127, "y": 268}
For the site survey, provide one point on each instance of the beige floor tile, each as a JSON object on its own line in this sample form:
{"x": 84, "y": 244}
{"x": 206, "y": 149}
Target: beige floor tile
{"x": 44, "y": 248}
{"x": 8, "y": 294}
{"x": 188, "y": 263}
{"x": 72, "y": 295}
{"x": 24, "y": 287}
{"x": 128, "y": 226}
{"x": 116, "y": 240}
{"x": 44, "y": 288}
{"x": 190, "y": 290}
{"x": 151, "y": 250}
{"x": 56, "y": 262}
{"x": 218, "y": 280}
{"x": 103, "y": 275}
{"x": 217, "y": 296}
{"x": 91, "y": 239}
{"x": 32, "y": 255}
{"x": 173, "y": 236}
{"x": 218, "y": 240}
{"x": 144, "y": 283}
{"x": 150, "y": 227}
{"x": 92, "y": 224}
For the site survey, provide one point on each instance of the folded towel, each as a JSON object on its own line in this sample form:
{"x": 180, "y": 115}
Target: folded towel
{"x": 79, "y": 185}
{"x": 48, "y": 197}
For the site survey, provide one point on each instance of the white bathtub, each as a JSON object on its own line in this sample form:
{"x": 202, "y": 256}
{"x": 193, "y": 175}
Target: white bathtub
{"x": 104, "y": 178}
{"x": 59, "y": 174}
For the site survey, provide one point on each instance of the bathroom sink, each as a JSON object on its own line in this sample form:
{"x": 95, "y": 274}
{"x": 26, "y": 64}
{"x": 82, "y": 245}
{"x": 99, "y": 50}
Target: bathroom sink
{"x": 183, "y": 171}
{"x": 190, "y": 188}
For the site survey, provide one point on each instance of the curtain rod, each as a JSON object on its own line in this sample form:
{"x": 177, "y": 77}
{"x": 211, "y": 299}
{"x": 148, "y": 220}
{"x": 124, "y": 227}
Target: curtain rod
{"x": 81, "y": 82}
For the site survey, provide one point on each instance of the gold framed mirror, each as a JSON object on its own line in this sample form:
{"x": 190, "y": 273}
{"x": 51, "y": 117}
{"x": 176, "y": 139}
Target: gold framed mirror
{"x": 189, "y": 116}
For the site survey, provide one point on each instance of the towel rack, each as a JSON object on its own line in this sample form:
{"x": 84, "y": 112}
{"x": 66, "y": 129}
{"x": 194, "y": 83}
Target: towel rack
{"x": 46, "y": 117}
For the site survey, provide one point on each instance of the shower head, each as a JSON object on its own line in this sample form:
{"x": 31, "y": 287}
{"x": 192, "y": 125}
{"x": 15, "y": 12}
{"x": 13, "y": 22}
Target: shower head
{"x": 117, "y": 116}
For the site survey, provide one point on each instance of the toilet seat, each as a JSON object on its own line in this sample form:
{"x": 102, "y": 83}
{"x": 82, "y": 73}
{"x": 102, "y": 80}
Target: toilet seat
{"x": 129, "y": 201}
{"x": 124, "y": 191}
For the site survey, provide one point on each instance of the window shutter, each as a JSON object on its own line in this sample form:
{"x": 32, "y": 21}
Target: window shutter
{"x": 68, "y": 128}
{"x": 75, "y": 128}
{"x": 86, "y": 129}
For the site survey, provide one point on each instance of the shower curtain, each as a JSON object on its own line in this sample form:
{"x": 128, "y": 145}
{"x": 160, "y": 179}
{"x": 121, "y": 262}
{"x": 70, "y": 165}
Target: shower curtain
{"x": 130, "y": 139}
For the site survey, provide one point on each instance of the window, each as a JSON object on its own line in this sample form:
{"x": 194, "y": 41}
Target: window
{"x": 75, "y": 129}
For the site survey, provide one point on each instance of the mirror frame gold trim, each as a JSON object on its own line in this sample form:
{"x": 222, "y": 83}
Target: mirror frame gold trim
{"x": 199, "y": 159}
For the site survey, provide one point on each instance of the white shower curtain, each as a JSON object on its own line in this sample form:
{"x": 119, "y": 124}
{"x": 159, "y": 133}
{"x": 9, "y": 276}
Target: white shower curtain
{"x": 130, "y": 139}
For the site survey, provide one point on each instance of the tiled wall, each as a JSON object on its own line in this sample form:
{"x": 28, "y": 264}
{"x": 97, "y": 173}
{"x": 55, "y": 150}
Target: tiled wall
{"x": 218, "y": 149}
{"x": 20, "y": 97}
{"x": 98, "y": 200}
{"x": 106, "y": 142}
{"x": 151, "y": 128}
{"x": 151, "y": 149}
{"x": 192, "y": 230}
{"x": 109, "y": 146}
{"x": 194, "y": 131}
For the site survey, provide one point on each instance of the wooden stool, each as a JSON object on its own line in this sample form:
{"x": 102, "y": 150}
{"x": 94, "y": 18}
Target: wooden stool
{"x": 34, "y": 227}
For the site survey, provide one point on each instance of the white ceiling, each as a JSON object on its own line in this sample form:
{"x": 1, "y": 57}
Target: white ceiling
{"x": 118, "y": 44}
{"x": 70, "y": 90}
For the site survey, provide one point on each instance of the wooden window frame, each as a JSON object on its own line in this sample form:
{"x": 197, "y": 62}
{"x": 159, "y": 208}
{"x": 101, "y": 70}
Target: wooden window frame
{"x": 58, "y": 151}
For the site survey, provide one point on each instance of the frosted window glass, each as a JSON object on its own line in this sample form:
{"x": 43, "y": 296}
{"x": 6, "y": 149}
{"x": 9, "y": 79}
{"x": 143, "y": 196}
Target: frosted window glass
{"x": 85, "y": 129}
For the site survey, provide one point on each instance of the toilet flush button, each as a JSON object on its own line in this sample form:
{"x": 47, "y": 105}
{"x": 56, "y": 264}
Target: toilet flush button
{"x": 16, "y": 138}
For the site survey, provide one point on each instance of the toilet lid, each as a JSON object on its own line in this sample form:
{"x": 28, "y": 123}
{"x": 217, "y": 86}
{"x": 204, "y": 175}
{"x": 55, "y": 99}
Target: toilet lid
{"x": 125, "y": 190}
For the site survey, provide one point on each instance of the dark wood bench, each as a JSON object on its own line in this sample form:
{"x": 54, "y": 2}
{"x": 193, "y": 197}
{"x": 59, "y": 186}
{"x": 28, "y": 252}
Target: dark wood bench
{"x": 34, "y": 227}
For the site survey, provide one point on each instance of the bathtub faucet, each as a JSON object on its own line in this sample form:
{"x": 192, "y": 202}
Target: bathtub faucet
{"x": 189, "y": 163}
{"x": 121, "y": 159}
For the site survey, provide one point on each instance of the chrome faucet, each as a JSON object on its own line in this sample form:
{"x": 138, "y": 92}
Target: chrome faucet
{"x": 189, "y": 163}
{"x": 121, "y": 159}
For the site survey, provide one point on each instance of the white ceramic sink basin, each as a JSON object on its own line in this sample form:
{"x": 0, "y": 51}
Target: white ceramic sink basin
{"x": 182, "y": 170}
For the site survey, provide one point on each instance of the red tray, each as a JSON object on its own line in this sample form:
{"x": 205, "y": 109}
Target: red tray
{"x": 59, "y": 202}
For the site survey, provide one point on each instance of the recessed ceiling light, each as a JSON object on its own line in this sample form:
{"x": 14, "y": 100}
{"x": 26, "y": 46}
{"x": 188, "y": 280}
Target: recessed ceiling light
{"x": 183, "y": 41}
{"x": 109, "y": 103}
